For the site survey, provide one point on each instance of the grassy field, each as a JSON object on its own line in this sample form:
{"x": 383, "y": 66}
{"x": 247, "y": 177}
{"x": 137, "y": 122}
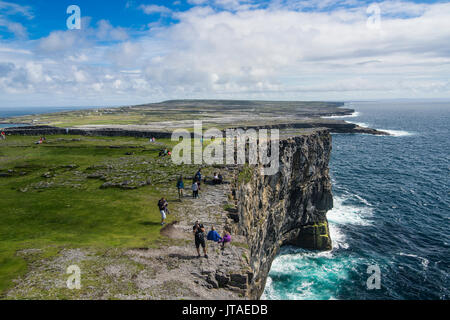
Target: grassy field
{"x": 51, "y": 195}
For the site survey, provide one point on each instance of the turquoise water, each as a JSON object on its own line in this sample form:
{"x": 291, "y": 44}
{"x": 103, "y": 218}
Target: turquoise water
{"x": 391, "y": 209}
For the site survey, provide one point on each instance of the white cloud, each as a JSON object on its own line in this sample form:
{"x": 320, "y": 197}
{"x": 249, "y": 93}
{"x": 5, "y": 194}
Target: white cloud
{"x": 152, "y": 9}
{"x": 9, "y": 8}
{"x": 277, "y": 52}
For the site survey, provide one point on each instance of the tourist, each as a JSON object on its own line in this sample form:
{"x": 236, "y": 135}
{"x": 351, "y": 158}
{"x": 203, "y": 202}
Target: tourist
{"x": 220, "y": 177}
{"x": 195, "y": 190}
{"x": 180, "y": 187}
{"x": 162, "y": 205}
{"x": 215, "y": 178}
{"x": 225, "y": 239}
{"x": 3, "y": 135}
{"x": 198, "y": 178}
{"x": 213, "y": 235}
{"x": 199, "y": 236}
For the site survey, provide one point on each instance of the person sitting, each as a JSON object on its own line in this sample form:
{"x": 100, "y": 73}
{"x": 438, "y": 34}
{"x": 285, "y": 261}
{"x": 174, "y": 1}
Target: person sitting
{"x": 225, "y": 239}
{"x": 215, "y": 178}
{"x": 213, "y": 235}
{"x": 220, "y": 178}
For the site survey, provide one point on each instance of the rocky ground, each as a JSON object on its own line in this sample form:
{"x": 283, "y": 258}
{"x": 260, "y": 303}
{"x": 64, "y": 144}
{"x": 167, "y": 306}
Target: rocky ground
{"x": 171, "y": 271}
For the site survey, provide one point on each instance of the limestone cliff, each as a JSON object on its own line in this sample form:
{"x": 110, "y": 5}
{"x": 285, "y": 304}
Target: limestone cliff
{"x": 287, "y": 208}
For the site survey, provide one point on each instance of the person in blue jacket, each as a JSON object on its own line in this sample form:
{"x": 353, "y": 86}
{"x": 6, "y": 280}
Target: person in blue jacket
{"x": 213, "y": 235}
{"x": 180, "y": 187}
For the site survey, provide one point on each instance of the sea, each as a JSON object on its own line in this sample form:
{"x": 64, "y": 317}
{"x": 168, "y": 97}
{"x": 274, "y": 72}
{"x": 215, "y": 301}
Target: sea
{"x": 23, "y": 111}
{"x": 390, "y": 221}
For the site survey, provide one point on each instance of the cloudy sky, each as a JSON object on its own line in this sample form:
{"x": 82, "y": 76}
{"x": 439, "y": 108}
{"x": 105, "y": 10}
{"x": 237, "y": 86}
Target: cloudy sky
{"x": 130, "y": 52}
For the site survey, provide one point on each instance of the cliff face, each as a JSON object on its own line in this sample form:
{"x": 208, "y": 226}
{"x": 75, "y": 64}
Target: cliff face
{"x": 287, "y": 208}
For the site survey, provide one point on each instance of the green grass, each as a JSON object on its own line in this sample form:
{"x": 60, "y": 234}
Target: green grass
{"x": 246, "y": 174}
{"x": 64, "y": 216}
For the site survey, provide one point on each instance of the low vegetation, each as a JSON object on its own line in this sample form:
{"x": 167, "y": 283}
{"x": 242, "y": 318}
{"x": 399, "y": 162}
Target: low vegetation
{"x": 80, "y": 192}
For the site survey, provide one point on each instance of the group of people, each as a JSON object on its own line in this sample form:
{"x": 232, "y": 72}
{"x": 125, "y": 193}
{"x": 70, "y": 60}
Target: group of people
{"x": 41, "y": 140}
{"x": 164, "y": 152}
{"x": 152, "y": 139}
{"x": 198, "y": 230}
{"x": 213, "y": 235}
{"x": 3, "y": 135}
{"x": 218, "y": 178}
{"x": 196, "y": 183}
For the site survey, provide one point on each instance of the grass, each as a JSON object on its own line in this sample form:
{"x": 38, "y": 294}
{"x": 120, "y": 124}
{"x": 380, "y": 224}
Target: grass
{"x": 74, "y": 211}
{"x": 246, "y": 174}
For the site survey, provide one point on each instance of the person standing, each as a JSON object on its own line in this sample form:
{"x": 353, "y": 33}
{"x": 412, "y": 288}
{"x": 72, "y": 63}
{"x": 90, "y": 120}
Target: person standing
{"x": 195, "y": 190}
{"x": 199, "y": 236}
{"x": 198, "y": 178}
{"x": 180, "y": 187}
{"x": 162, "y": 205}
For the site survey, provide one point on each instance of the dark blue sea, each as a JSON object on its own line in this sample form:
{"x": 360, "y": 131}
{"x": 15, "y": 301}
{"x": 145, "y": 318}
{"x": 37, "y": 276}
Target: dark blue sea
{"x": 391, "y": 210}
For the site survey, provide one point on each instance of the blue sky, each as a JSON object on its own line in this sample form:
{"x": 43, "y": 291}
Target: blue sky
{"x": 131, "y": 52}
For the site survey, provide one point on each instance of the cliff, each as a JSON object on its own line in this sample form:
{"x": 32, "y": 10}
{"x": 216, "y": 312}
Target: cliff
{"x": 287, "y": 208}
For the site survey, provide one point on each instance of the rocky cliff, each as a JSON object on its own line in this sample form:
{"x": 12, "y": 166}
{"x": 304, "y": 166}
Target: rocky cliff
{"x": 287, "y": 208}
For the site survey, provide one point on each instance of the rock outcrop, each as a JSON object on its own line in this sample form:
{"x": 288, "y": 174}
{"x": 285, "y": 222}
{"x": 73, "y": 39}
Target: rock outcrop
{"x": 286, "y": 208}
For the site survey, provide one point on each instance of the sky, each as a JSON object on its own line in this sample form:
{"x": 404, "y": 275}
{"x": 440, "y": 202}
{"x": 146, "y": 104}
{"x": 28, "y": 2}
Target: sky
{"x": 133, "y": 52}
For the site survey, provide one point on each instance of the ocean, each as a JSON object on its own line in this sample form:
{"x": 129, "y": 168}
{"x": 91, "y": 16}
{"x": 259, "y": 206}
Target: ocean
{"x": 391, "y": 210}
{"x": 15, "y": 112}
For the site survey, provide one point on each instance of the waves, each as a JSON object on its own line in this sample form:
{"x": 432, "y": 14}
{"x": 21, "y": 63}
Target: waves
{"x": 353, "y": 115}
{"x": 390, "y": 209}
{"x": 392, "y": 132}
{"x": 397, "y": 133}
{"x": 298, "y": 274}
{"x": 350, "y": 209}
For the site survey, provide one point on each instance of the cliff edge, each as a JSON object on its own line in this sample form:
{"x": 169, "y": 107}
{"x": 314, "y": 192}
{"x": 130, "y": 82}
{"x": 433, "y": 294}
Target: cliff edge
{"x": 286, "y": 208}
